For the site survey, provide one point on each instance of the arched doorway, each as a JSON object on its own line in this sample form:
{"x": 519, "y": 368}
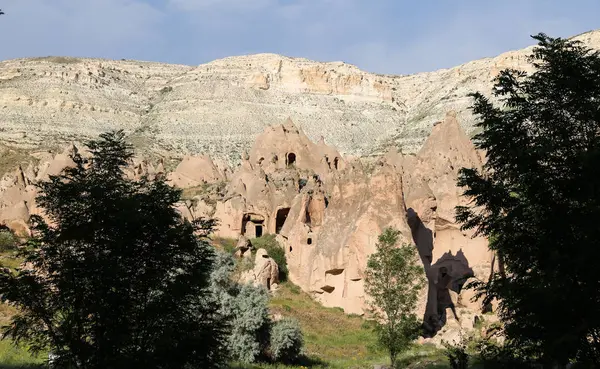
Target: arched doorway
{"x": 291, "y": 159}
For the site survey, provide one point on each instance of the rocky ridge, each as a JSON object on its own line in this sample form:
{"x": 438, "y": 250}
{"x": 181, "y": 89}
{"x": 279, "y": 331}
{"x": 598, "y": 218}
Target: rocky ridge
{"x": 219, "y": 108}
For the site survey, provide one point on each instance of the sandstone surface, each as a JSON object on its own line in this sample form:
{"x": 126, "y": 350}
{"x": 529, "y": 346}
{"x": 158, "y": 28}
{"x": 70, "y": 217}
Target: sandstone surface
{"x": 219, "y": 108}
{"x": 325, "y": 209}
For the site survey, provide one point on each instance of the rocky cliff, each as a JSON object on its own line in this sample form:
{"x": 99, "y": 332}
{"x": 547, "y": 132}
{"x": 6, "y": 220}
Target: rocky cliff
{"x": 220, "y": 107}
{"x": 325, "y": 209}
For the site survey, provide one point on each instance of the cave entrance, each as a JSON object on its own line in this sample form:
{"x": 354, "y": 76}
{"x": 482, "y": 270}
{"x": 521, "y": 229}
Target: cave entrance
{"x": 291, "y": 159}
{"x": 258, "y": 230}
{"x": 280, "y": 218}
{"x": 253, "y": 225}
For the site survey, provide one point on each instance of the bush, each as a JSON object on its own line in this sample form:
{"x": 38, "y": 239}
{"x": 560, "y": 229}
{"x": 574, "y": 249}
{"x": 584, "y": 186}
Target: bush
{"x": 8, "y": 241}
{"x": 250, "y": 323}
{"x": 226, "y": 244}
{"x": 286, "y": 341}
{"x": 275, "y": 251}
{"x": 245, "y": 307}
{"x": 220, "y": 277}
{"x": 252, "y": 333}
{"x": 457, "y": 355}
{"x": 495, "y": 356}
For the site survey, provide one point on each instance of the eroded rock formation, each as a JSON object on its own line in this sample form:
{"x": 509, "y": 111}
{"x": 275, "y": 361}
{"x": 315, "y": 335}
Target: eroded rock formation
{"x": 265, "y": 272}
{"x": 327, "y": 212}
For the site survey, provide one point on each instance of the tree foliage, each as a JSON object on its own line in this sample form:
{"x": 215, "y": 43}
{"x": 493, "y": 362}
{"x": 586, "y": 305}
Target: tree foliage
{"x": 393, "y": 279}
{"x": 8, "y": 240}
{"x": 286, "y": 340}
{"x": 116, "y": 279}
{"x": 246, "y": 307}
{"x": 457, "y": 354}
{"x": 250, "y": 322}
{"x": 539, "y": 198}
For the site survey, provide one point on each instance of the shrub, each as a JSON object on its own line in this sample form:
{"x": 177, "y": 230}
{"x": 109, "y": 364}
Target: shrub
{"x": 226, "y": 244}
{"x": 246, "y": 308}
{"x": 275, "y": 251}
{"x": 8, "y": 241}
{"x": 495, "y": 356}
{"x": 286, "y": 340}
{"x": 220, "y": 277}
{"x": 457, "y": 355}
{"x": 250, "y": 323}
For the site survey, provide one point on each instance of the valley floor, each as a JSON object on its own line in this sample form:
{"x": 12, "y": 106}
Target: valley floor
{"x": 332, "y": 339}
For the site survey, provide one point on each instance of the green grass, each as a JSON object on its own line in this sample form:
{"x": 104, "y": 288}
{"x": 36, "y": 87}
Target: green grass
{"x": 226, "y": 244}
{"x": 339, "y": 340}
{"x": 10, "y": 259}
{"x": 17, "y": 357}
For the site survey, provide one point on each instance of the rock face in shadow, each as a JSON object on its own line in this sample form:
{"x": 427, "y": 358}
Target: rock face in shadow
{"x": 433, "y": 195}
{"x": 327, "y": 211}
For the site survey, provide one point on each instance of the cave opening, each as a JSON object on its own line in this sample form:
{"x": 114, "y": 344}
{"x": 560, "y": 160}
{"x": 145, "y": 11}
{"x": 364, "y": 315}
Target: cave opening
{"x": 291, "y": 159}
{"x": 258, "y": 230}
{"x": 307, "y": 219}
{"x": 280, "y": 219}
{"x": 253, "y": 225}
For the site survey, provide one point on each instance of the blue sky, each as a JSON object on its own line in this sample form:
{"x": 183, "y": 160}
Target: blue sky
{"x": 383, "y": 36}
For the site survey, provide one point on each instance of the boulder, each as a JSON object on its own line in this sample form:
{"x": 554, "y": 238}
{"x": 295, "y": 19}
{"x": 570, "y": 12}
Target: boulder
{"x": 265, "y": 272}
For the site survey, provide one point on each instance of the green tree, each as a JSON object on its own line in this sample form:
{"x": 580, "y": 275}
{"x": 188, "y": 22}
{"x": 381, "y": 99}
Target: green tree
{"x": 117, "y": 278}
{"x": 393, "y": 279}
{"x": 539, "y": 198}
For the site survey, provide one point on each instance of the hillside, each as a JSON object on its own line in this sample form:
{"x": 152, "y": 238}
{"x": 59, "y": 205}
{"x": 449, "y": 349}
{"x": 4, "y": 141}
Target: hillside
{"x": 219, "y": 108}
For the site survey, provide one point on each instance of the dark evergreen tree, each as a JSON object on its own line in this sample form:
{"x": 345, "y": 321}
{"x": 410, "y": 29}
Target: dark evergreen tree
{"x": 117, "y": 279}
{"x": 539, "y": 201}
